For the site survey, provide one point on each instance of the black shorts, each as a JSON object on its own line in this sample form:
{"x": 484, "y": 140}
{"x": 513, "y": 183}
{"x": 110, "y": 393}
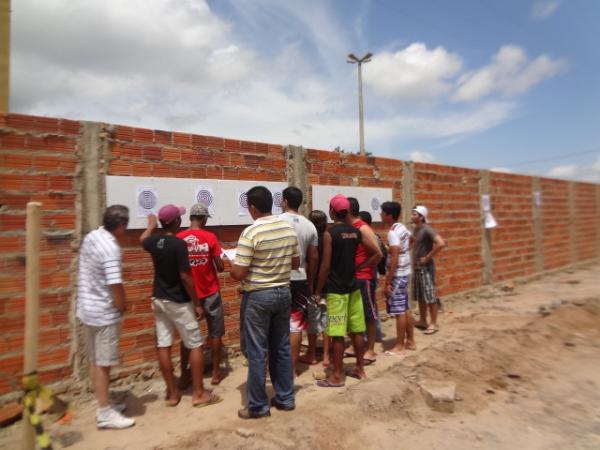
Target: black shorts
{"x": 367, "y": 292}
{"x": 213, "y": 312}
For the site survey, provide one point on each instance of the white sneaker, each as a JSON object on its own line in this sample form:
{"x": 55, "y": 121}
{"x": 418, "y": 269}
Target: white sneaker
{"x": 110, "y": 418}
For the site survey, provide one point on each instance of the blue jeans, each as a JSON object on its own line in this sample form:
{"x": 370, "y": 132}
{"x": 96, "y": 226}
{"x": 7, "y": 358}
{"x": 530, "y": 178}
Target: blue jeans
{"x": 265, "y": 317}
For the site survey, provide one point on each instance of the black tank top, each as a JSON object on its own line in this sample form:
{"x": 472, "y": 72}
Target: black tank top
{"x": 344, "y": 241}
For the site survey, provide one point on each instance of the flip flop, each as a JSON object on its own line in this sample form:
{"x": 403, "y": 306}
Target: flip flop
{"x": 173, "y": 405}
{"x": 328, "y": 384}
{"x": 431, "y": 330}
{"x": 349, "y": 355}
{"x": 353, "y": 374}
{"x": 214, "y": 399}
{"x": 390, "y": 353}
{"x": 420, "y": 326}
{"x": 368, "y": 361}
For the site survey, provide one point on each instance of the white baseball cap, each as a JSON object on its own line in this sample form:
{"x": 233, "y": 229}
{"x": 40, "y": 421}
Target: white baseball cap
{"x": 422, "y": 211}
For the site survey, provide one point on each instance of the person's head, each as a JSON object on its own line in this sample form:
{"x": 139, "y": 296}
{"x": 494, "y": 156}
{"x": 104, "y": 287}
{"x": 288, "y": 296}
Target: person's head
{"x": 169, "y": 217}
{"x": 419, "y": 215}
{"x": 292, "y": 198}
{"x": 365, "y": 216}
{"x": 319, "y": 220}
{"x": 354, "y": 207}
{"x": 199, "y": 214}
{"x": 390, "y": 212}
{"x": 338, "y": 208}
{"x": 260, "y": 201}
{"x": 115, "y": 219}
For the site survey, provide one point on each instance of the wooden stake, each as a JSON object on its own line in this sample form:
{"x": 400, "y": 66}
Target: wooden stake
{"x": 32, "y": 306}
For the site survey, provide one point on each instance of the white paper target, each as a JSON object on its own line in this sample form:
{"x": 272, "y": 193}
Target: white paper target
{"x": 205, "y": 196}
{"x": 277, "y": 202}
{"x": 375, "y": 204}
{"x": 146, "y": 200}
{"x": 242, "y": 201}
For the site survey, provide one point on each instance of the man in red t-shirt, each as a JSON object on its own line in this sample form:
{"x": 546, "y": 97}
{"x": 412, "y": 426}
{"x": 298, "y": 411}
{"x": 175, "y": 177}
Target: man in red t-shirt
{"x": 205, "y": 260}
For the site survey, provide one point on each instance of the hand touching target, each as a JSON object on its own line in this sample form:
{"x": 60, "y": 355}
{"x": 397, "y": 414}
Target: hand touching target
{"x": 146, "y": 201}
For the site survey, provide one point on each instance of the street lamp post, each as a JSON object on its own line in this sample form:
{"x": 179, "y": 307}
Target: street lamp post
{"x": 352, "y": 59}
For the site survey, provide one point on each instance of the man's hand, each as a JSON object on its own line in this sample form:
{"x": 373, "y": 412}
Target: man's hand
{"x": 152, "y": 221}
{"x": 199, "y": 312}
{"x": 388, "y": 292}
{"x": 424, "y": 260}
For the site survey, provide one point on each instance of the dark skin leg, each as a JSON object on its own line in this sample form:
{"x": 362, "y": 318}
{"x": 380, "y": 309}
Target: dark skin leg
{"x": 166, "y": 368}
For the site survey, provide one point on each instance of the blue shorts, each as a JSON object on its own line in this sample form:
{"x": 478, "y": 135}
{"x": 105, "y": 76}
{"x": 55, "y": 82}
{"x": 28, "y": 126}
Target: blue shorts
{"x": 397, "y": 304}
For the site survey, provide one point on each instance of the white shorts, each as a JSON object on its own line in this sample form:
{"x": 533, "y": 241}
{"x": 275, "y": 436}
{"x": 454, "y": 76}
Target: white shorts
{"x": 103, "y": 344}
{"x": 169, "y": 315}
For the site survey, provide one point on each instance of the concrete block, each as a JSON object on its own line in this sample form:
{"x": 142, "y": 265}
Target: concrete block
{"x": 439, "y": 395}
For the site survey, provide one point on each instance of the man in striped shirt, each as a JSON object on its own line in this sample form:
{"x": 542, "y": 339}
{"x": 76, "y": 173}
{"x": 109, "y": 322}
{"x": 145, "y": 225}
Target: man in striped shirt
{"x": 267, "y": 251}
{"x": 100, "y": 305}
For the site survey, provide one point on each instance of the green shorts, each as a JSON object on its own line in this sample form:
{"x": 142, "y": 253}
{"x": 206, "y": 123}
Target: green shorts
{"x": 345, "y": 314}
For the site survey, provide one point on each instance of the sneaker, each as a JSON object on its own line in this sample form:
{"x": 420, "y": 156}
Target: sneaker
{"x": 246, "y": 413}
{"x": 281, "y": 406}
{"x": 111, "y": 418}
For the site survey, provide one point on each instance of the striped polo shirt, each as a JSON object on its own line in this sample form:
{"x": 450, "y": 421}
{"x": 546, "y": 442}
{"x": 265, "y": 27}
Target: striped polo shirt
{"x": 266, "y": 247}
{"x": 99, "y": 267}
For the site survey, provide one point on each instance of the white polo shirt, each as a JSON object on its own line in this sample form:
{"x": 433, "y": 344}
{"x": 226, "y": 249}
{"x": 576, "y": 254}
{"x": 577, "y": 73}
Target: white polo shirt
{"x": 99, "y": 267}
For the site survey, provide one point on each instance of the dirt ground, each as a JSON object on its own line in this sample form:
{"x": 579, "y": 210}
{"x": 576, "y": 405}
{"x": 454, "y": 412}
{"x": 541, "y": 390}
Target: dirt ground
{"x": 526, "y": 363}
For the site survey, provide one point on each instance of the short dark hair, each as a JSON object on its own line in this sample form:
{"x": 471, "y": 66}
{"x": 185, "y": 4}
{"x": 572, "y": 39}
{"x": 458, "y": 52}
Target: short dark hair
{"x": 354, "y": 206}
{"x": 366, "y": 217}
{"x": 293, "y": 196}
{"x": 261, "y": 198}
{"x": 319, "y": 220}
{"x": 339, "y": 215}
{"x": 115, "y": 216}
{"x": 392, "y": 208}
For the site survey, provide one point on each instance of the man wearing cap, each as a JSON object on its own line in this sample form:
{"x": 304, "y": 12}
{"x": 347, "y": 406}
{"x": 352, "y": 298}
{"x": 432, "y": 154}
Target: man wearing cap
{"x": 344, "y": 301}
{"x": 428, "y": 243}
{"x": 175, "y": 303}
{"x": 204, "y": 253}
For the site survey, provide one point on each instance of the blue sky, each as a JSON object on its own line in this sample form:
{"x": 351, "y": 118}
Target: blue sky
{"x": 472, "y": 83}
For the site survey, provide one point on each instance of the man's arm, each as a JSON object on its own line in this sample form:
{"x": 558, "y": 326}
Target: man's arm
{"x": 325, "y": 263}
{"x": 312, "y": 259}
{"x": 369, "y": 241}
{"x": 188, "y": 284}
{"x": 295, "y": 262}
{"x": 438, "y": 245}
{"x": 239, "y": 273}
{"x": 394, "y": 255}
{"x": 152, "y": 225}
{"x": 218, "y": 263}
{"x": 118, "y": 297}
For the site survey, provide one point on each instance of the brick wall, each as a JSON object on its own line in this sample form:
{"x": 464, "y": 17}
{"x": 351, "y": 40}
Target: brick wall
{"x": 40, "y": 160}
{"x": 556, "y": 217}
{"x": 452, "y": 196}
{"x": 513, "y": 241}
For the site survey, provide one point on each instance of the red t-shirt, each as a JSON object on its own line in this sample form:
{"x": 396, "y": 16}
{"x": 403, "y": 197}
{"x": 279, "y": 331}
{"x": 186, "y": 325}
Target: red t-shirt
{"x": 366, "y": 273}
{"x": 203, "y": 247}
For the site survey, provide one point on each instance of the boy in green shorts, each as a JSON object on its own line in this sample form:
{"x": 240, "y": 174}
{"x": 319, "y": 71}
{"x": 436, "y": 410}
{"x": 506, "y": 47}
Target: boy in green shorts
{"x": 344, "y": 301}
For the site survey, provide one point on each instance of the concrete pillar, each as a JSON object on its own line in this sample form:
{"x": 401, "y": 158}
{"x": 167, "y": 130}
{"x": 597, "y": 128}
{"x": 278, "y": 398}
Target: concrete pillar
{"x": 486, "y": 235}
{"x": 408, "y": 190}
{"x": 572, "y": 215}
{"x": 4, "y": 55}
{"x": 538, "y": 225}
{"x": 297, "y": 174}
{"x": 90, "y": 185}
{"x": 598, "y": 221}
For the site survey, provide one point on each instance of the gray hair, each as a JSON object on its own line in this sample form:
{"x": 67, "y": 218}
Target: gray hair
{"x": 114, "y": 216}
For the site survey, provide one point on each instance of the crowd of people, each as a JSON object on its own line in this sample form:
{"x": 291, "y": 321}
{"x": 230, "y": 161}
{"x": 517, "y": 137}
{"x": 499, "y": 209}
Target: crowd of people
{"x": 296, "y": 275}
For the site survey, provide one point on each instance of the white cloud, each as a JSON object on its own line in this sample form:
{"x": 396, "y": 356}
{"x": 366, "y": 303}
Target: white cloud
{"x": 502, "y": 169}
{"x": 414, "y": 73}
{"x": 581, "y": 172}
{"x": 421, "y": 156}
{"x": 510, "y": 73}
{"x": 541, "y": 10}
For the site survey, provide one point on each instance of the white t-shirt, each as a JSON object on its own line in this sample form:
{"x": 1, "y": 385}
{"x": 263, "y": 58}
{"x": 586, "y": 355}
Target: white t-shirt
{"x": 399, "y": 236}
{"x": 99, "y": 267}
{"x": 307, "y": 236}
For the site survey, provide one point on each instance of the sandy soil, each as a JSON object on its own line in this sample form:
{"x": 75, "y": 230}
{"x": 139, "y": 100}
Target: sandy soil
{"x": 526, "y": 362}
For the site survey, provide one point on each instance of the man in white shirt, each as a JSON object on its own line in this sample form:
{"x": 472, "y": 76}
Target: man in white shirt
{"x": 302, "y": 279}
{"x": 100, "y": 305}
{"x": 396, "y": 280}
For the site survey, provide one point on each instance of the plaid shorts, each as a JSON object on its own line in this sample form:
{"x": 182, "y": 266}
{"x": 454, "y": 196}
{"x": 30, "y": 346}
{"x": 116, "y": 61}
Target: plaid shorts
{"x": 424, "y": 285}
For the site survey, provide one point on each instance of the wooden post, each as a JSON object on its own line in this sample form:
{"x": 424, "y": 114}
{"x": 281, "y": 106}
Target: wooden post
{"x": 32, "y": 307}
